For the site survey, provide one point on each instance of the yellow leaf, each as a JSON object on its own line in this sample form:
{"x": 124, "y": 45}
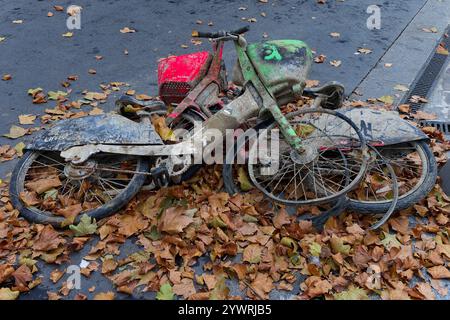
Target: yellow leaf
{"x": 386, "y": 99}
{"x": 27, "y": 119}
{"x": 244, "y": 182}
{"x": 19, "y": 148}
{"x": 16, "y": 132}
{"x": 352, "y": 293}
{"x": 67, "y": 34}
{"x": 442, "y": 50}
{"x": 8, "y": 294}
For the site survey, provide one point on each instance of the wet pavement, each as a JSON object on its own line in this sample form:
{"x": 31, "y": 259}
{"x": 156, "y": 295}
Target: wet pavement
{"x": 36, "y": 55}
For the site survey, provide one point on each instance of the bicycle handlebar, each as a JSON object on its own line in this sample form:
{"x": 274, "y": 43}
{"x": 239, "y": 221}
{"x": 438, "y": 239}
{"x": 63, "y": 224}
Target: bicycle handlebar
{"x": 198, "y": 34}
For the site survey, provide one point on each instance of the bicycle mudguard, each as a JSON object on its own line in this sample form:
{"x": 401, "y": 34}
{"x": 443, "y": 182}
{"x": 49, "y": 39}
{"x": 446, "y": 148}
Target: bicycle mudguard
{"x": 98, "y": 129}
{"x": 383, "y": 127}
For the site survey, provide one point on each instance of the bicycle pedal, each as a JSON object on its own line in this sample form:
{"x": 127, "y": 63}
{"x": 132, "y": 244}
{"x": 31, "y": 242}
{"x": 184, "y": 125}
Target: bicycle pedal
{"x": 160, "y": 176}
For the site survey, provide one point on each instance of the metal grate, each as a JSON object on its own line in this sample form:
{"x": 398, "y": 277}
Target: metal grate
{"x": 443, "y": 126}
{"x": 424, "y": 82}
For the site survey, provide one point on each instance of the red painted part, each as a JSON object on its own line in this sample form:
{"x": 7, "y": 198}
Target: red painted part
{"x": 178, "y": 74}
{"x": 185, "y": 68}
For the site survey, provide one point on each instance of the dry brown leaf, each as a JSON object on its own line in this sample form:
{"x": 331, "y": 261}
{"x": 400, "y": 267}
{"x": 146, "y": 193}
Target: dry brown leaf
{"x": 105, "y": 296}
{"x": 173, "y": 220}
{"x": 439, "y": 272}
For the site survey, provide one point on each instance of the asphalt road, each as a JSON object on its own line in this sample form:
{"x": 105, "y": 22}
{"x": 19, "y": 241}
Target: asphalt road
{"x": 37, "y": 55}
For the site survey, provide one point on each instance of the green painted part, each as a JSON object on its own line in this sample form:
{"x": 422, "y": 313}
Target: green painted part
{"x": 281, "y": 65}
{"x": 272, "y": 53}
{"x": 250, "y": 75}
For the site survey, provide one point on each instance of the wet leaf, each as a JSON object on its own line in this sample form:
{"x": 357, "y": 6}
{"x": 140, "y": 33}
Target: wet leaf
{"x": 442, "y": 50}
{"x": 220, "y": 291}
{"x": 352, "y": 293}
{"x": 55, "y": 95}
{"x": 173, "y": 220}
{"x": 337, "y": 244}
{"x": 127, "y": 30}
{"x": 8, "y": 294}
{"x": 315, "y": 249}
{"x": 390, "y": 241}
{"x": 27, "y": 119}
{"x": 320, "y": 58}
{"x": 401, "y": 87}
{"x": 439, "y": 272}
{"x": 405, "y": 108}
{"x": 162, "y": 129}
{"x": 336, "y": 63}
{"x": 105, "y": 296}
{"x": 243, "y": 179}
{"x": 16, "y": 132}
{"x": 19, "y": 148}
{"x": 252, "y": 253}
{"x": 364, "y": 50}
{"x": 386, "y": 99}
{"x": 43, "y": 185}
{"x": 85, "y": 227}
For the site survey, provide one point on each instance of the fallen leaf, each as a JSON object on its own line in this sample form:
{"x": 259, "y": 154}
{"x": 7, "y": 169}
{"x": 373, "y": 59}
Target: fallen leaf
{"x": 105, "y": 296}
{"x": 421, "y": 115}
{"x": 390, "y": 241}
{"x": 86, "y": 226}
{"x": 143, "y": 97}
{"x": 27, "y": 119}
{"x": 243, "y": 179}
{"x": 442, "y": 50}
{"x": 43, "y": 185}
{"x": 336, "y": 63}
{"x": 262, "y": 284}
{"x": 165, "y": 292}
{"x": 55, "y": 95}
{"x": 19, "y": 148}
{"x": 127, "y": 30}
{"x": 439, "y": 272}
{"x": 386, "y": 99}
{"x": 364, "y": 50}
{"x": 58, "y": 8}
{"x": 67, "y": 34}
{"x": 6, "y": 77}
{"x": 8, "y": 294}
{"x": 185, "y": 288}
{"x": 352, "y": 293}
{"x": 320, "y": 58}
{"x": 405, "y": 108}
{"x": 335, "y": 34}
{"x": 252, "y": 253}
{"x": 48, "y": 239}
{"x": 173, "y": 220}
{"x": 401, "y": 87}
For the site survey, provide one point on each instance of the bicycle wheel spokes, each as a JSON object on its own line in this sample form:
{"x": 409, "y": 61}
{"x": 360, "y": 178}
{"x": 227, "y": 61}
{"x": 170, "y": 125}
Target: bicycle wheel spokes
{"x": 333, "y": 160}
{"x": 55, "y": 185}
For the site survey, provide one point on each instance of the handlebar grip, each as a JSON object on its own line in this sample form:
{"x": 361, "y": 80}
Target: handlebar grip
{"x": 198, "y": 34}
{"x": 241, "y": 30}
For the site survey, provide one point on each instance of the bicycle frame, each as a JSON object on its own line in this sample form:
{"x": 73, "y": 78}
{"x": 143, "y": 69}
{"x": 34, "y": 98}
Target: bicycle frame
{"x": 255, "y": 101}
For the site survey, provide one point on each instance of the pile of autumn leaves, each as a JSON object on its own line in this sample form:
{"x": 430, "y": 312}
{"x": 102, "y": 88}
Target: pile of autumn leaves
{"x": 246, "y": 238}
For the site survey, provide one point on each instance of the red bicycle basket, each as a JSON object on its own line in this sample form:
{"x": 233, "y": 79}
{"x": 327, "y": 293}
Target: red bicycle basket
{"x": 177, "y": 75}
